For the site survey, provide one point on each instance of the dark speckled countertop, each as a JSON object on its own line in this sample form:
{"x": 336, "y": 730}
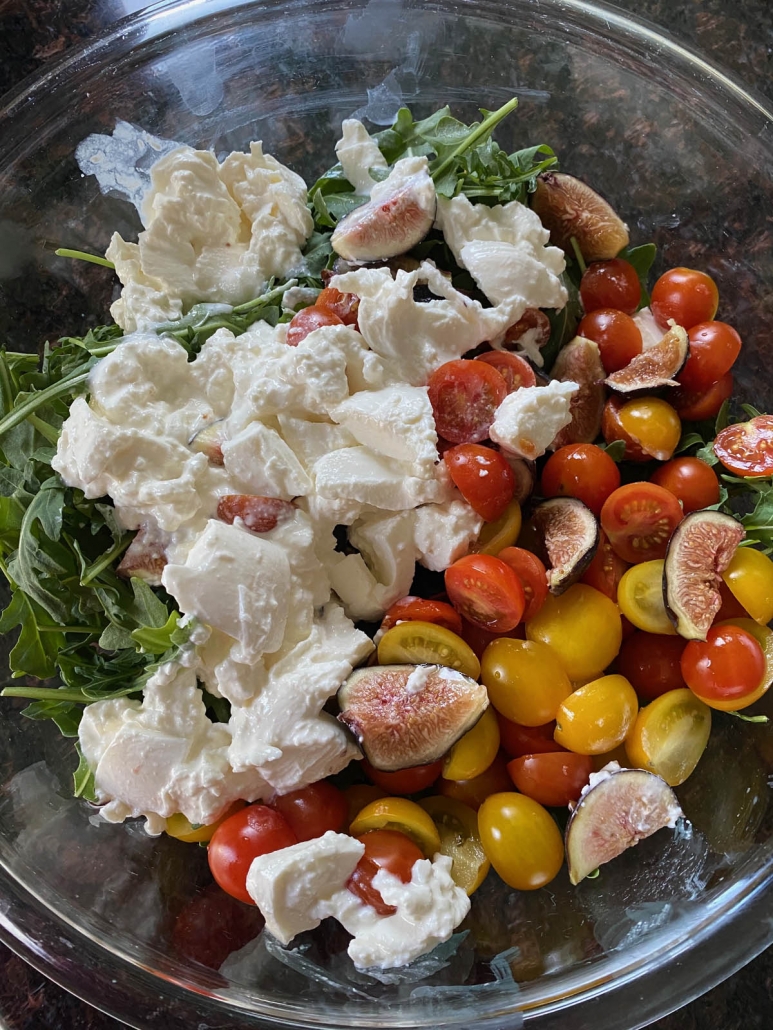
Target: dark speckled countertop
{"x": 737, "y": 34}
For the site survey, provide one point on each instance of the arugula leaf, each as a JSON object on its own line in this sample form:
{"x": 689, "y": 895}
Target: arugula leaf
{"x": 563, "y": 323}
{"x": 615, "y": 449}
{"x": 83, "y": 779}
{"x": 65, "y": 714}
{"x": 39, "y": 642}
{"x": 642, "y": 258}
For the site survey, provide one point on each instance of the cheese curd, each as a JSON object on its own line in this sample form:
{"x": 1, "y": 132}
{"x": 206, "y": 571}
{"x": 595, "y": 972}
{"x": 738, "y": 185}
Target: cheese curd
{"x": 527, "y": 421}
{"x": 358, "y": 152}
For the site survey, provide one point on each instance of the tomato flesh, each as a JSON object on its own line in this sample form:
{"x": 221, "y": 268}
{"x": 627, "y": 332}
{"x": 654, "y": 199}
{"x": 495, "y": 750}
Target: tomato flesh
{"x": 515, "y": 370}
{"x": 313, "y": 810}
{"x": 465, "y": 396}
{"x": 413, "y": 609}
{"x": 486, "y": 592}
{"x": 747, "y": 447}
{"x": 484, "y": 478}
{"x": 253, "y": 831}
{"x": 307, "y": 320}
{"x": 639, "y": 519}
{"x": 343, "y": 305}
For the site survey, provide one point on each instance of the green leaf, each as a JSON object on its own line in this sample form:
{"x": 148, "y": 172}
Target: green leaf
{"x": 35, "y": 651}
{"x": 563, "y": 323}
{"x": 83, "y": 779}
{"x": 642, "y": 258}
{"x": 723, "y": 418}
{"x": 615, "y": 449}
{"x": 156, "y": 640}
{"x": 707, "y": 455}
{"x": 688, "y": 441}
{"x": 65, "y": 714}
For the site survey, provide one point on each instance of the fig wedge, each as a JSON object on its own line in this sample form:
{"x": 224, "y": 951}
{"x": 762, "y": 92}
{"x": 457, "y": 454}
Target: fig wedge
{"x": 617, "y": 809}
{"x": 570, "y": 531}
{"x": 655, "y": 367}
{"x": 567, "y": 207}
{"x": 699, "y": 551}
{"x": 209, "y": 441}
{"x": 580, "y": 362}
{"x": 407, "y": 715}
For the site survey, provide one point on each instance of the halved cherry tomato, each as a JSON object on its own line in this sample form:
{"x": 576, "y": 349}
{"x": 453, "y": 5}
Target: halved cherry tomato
{"x": 598, "y": 716}
{"x": 384, "y": 849}
{"x": 255, "y": 830}
{"x": 581, "y": 470}
{"x": 653, "y": 424}
{"x": 690, "y": 480}
{"x": 182, "y": 829}
{"x": 640, "y": 598}
{"x": 424, "y": 643}
{"x": 727, "y": 666}
{"x": 495, "y": 536}
{"x": 525, "y": 680}
{"x": 419, "y": 609}
{"x": 361, "y": 794}
{"x": 617, "y": 335}
{"x": 516, "y": 371}
{"x": 307, "y": 320}
{"x": 694, "y": 406}
{"x": 639, "y": 519}
{"x": 406, "y": 781}
{"x": 686, "y": 295}
{"x": 313, "y": 810}
{"x": 651, "y": 663}
{"x": 552, "y": 778}
{"x": 518, "y": 740}
{"x": 521, "y": 840}
{"x": 532, "y": 574}
{"x": 464, "y": 396}
{"x": 344, "y": 305}
{"x": 457, "y": 825}
{"x": 475, "y": 791}
{"x": 486, "y": 592}
{"x": 746, "y": 448}
{"x": 402, "y": 815}
{"x": 606, "y": 569}
{"x": 670, "y": 735}
{"x": 610, "y": 284}
{"x": 473, "y": 753}
{"x": 484, "y": 478}
{"x": 750, "y": 579}
{"x": 714, "y": 347}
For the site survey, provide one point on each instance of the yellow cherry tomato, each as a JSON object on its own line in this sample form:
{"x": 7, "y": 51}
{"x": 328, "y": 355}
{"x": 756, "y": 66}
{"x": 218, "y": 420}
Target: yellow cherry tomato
{"x": 670, "y": 735}
{"x": 583, "y": 628}
{"x": 425, "y": 643}
{"x": 457, "y": 825}
{"x": 764, "y": 638}
{"x": 597, "y": 717}
{"x": 525, "y": 680}
{"x": 521, "y": 840}
{"x": 750, "y": 579}
{"x": 640, "y": 598}
{"x": 473, "y": 753}
{"x": 361, "y": 794}
{"x": 500, "y": 534}
{"x": 654, "y": 424}
{"x": 180, "y": 827}
{"x": 398, "y": 814}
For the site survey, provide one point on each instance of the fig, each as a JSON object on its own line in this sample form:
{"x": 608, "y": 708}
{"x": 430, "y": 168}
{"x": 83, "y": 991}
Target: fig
{"x": 525, "y": 473}
{"x": 698, "y": 553}
{"x": 580, "y": 362}
{"x": 617, "y": 809}
{"x": 529, "y": 335}
{"x": 408, "y": 715}
{"x": 567, "y": 207}
{"x": 209, "y": 441}
{"x": 145, "y": 557}
{"x": 655, "y": 367}
{"x": 571, "y": 534}
{"x": 259, "y": 514}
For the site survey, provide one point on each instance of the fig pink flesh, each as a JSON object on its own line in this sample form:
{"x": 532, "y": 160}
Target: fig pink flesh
{"x": 383, "y": 229}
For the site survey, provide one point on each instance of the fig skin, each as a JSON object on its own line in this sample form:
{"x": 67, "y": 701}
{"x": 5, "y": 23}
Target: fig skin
{"x": 568, "y": 207}
{"x": 209, "y": 441}
{"x": 655, "y": 367}
{"x": 580, "y": 362}
{"x": 700, "y": 549}
{"x": 570, "y": 531}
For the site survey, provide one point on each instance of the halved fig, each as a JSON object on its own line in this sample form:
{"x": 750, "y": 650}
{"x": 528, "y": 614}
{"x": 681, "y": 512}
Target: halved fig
{"x": 567, "y": 207}
{"x": 617, "y": 809}
{"x": 580, "y": 362}
{"x": 698, "y": 553}
{"x": 259, "y": 514}
{"x": 658, "y": 366}
{"x": 209, "y": 441}
{"x": 571, "y": 534}
{"x": 407, "y": 715}
{"x": 145, "y": 557}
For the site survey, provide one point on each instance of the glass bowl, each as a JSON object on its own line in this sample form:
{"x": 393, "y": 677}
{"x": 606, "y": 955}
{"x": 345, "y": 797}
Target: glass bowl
{"x": 685, "y": 155}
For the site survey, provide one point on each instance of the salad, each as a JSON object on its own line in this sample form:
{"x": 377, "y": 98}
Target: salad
{"x": 213, "y": 509}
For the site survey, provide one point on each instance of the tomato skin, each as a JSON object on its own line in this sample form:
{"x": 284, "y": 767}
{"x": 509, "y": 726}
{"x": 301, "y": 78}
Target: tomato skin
{"x": 465, "y": 396}
{"x": 525, "y": 680}
{"x": 479, "y": 639}
{"x": 690, "y": 480}
{"x": 515, "y": 370}
{"x": 521, "y": 840}
{"x": 694, "y": 406}
{"x": 639, "y": 519}
{"x": 475, "y": 791}
{"x": 612, "y": 429}
{"x": 359, "y": 795}
{"x": 518, "y": 740}
{"x": 749, "y": 576}
{"x": 532, "y": 574}
{"x": 610, "y": 284}
{"x": 405, "y": 781}
{"x": 686, "y": 295}
{"x": 653, "y": 424}
{"x": 552, "y": 778}
{"x": 313, "y": 810}
{"x": 617, "y": 335}
{"x": 726, "y": 666}
{"x": 606, "y": 569}
{"x": 344, "y": 305}
{"x": 306, "y": 321}
{"x": 418, "y": 609}
{"x": 652, "y": 663}
{"x": 583, "y": 629}
{"x": 495, "y": 536}
{"x": 598, "y": 716}
{"x": 473, "y": 753}
{"x": 255, "y": 830}
{"x": 746, "y": 448}
{"x": 670, "y": 735}
{"x": 384, "y": 849}
{"x": 484, "y": 478}
{"x": 714, "y": 347}
{"x": 486, "y": 592}
{"x": 213, "y": 925}
{"x": 581, "y": 470}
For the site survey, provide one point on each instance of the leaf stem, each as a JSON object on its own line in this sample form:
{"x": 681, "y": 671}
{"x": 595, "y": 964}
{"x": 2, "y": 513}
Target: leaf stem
{"x": 107, "y": 559}
{"x": 45, "y": 430}
{"x": 578, "y": 255}
{"x": 55, "y": 694}
{"x": 81, "y": 255}
{"x": 41, "y": 397}
{"x": 485, "y": 127}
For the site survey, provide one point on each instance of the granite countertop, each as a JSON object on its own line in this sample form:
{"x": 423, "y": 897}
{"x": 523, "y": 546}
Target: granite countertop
{"x": 738, "y": 36}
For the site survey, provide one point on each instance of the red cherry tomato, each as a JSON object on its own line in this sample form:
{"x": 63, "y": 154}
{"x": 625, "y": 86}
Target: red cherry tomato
{"x": 690, "y": 480}
{"x": 747, "y": 447}
{"x": 213, "y": 925}
{"x": 617, "y": 335}
{"x": 686, "y": 295}
{"x": 532, "y": 574}
{"x": 518, "y": 740}
{"x": 406, "y": 781}
{"x": 475, "y": 791}
{"x": 313, "y": 810}
{"x": 731, "y": 607}
{"x": 553, "y": 778}
{"x": 694, "y": 406}
{"x": 479, "y": 639}
{"x": 610, "y": 284}
{"x": 418, "y": 609}
{"x": 726, "y": 666}
{"x": 307, "y": 320}
{"x": 581, "y": 470}
{"x": 465, "y": 396}
{"x": 384, "y": 849}
{"x": 639, "y": 518}
{"x": 344, "y": 305}
{"x": 651, "y": 663}
{"x": 606, "y": 569}
{"x": 714, "y": 347}
{"x": 483, "y": 477}
{"x": 517, "y": 372}
{"x": 486, "y": 591}
{"x": 254, "y": 830}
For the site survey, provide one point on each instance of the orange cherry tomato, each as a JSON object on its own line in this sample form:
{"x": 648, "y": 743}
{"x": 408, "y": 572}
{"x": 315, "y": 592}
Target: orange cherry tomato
{"x": 517, "y": 372}
{"x": 694, "y": 406}
{"x": 465, "y": 396}
{"x": 518, "y": 740}
{"x": 686, "y": 295}
{"x": 610, "y": 284}
{"x": 746, "y": 448}
{"x": 639, "y": 519}
{"x": 486, "y": 591}
{"x": 307, "y": 320}
{"x": 553, "y": 778}
{"x": 612, "y": 429}
{"x": 532, "y": 574}
{"x": 483, "y": 477}
{"x": 475, "y": 791}
{"x": 651, "y": 663}
{"x": 690, "y": 480}
{"x": 714, "y": 347}
{"x": 617, "y": 335}
{"x": 406, "y": 781}
{"x": 606, "y": 569}
{"x": 581, "y": 470}
{"x": 419, "y": 609}
{"x": 384, "y": 849}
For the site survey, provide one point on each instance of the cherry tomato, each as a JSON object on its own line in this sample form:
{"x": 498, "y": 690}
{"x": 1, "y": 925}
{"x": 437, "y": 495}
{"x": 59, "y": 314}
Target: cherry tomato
{"x": 525, "y": 680}
{"x": 457, "y": 825}
{"x": 639, "y": 519}
{"x": 612, "y": 429}
{"x": 402, "y": 815}
{"x": 479, "y": 639}
{"x": 518, "y": 740}
{"x": 213, "y": 925}
{"x": 483, "y": 477}
{"x": 255, "y": 830}
{"x": 473, "y": 753}
{"x": 516, "y": 371}
{"x": 486, "y": 592}
{"x": 521, "y": 840}
{"x": 495, "y": 536}
{"x": 731, "y": 607}
{"x": 610, "y": 284}
{"x": 617, "y": 335}
{"x": 653, "y": 424}
{"x": 747, "y": 447}
{"x": 694, "y": 406}
{"x": 750, "y": 579}
{"x": 640, "y": 598}
{"x": 313, "y": 810}
{"x": 686, "y": 295}
{"x": 597, "y": 717}
{"x": 475, "y": 791}
{"x": 651, "y": 663}
{"x": 465, "y": 396}
{"x": 553, "y": 779}
{"x": 183, "y": 829}
{"x": 344, "y": 305}
{"x": 764, "y": 637}
{"x": 606, "y": 569}
{"x": 690, "y": 480}
{"x": 670, "y": 735}
{"x": 714, "y": 347}
{"x": 424, "y": 643}
{"x": 582, "y": 627}
{"x": 726, "y": 666}
{"x": 418, "y": 609}
{"x": 384, "y": 849}
{"x": 307, "y": 320}
{"x": 359, "y": 795}
{"x": 581, "y": 470}
{"x": 532, "y": 574}
{"x": 406, "y": 781}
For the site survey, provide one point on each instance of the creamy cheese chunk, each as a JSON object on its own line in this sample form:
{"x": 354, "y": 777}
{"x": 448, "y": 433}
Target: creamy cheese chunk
{"x": 358, "y": 152}
{"x": 527, "y": 421}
